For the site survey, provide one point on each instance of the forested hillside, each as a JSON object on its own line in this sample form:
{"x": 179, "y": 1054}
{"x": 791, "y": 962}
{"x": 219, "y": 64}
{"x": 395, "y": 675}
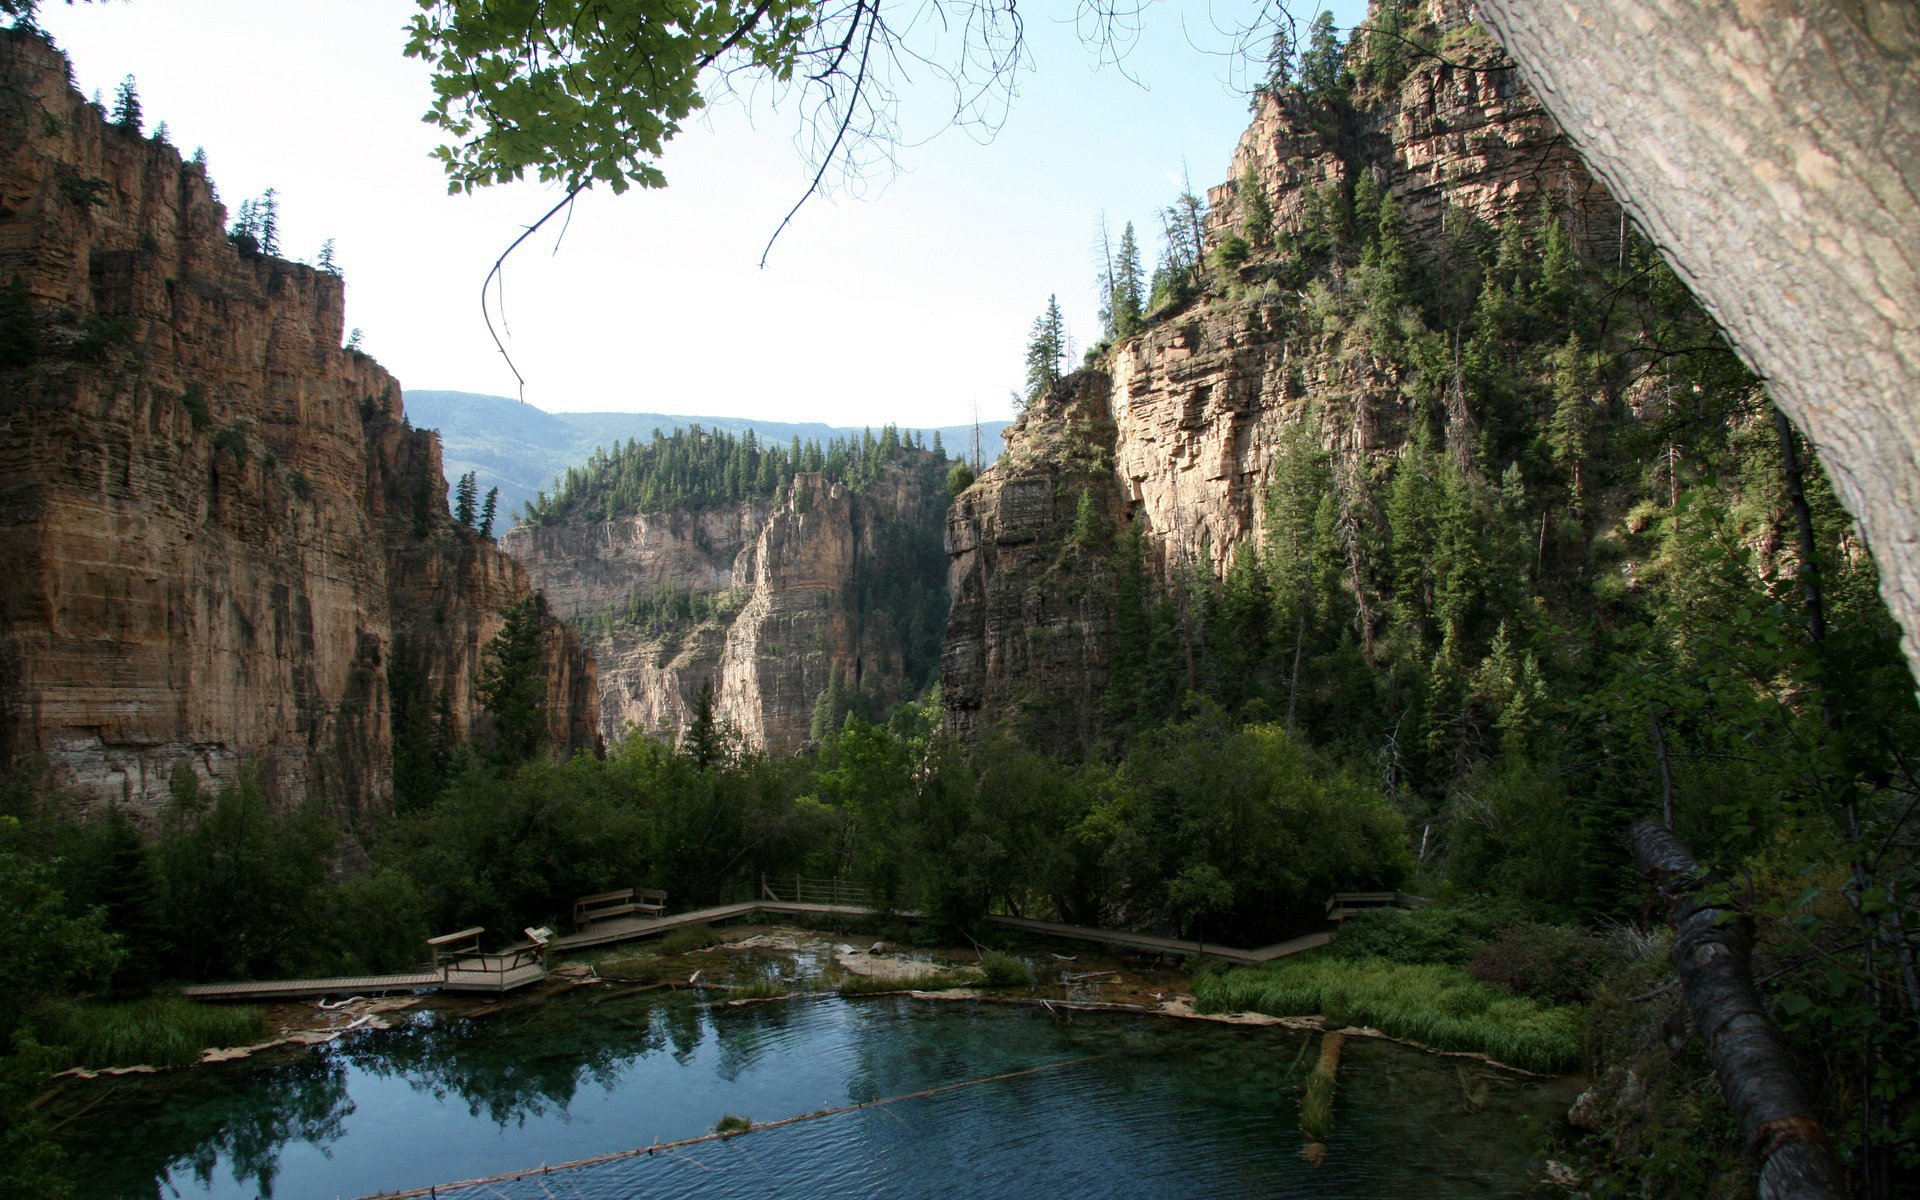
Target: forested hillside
{"x": 788, "y": 584}
{"x": 1422, "y": 458}
{"x": 523, "y": 450}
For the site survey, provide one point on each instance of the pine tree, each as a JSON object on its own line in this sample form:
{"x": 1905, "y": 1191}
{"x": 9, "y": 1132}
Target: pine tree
{"x": 126, "y": 105}
{"x": 487, "y": 512}
{"x": 705, "y": 743}
{"x": 1256, "y": 215}
{"x": 244, "y": 233}
{"x": 1127, "y": 302}
{"x": 1046, "y": 346}
{"x": 1323, "y": 62}
{"x": 326, "y": 263}
{"x": 1282, "y": 53}
{"x": 268, "y": 211}
{"x": 513, "y": 684}
{"x": 466, "y": 494}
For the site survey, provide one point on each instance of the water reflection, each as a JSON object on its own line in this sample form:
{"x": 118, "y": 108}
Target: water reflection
{"x": 509, "y": 1069}
{"x": 195, "y": 1130}
{"x": 442, "y": 1098}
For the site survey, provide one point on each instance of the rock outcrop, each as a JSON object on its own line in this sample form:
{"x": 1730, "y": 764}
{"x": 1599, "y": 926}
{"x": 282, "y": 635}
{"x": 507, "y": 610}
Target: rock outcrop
{"x": 765, "y": 601}
{"x": 1032, "y": 611}
{"x": 217, "y": 523}
{"x": 1187, "y": 414}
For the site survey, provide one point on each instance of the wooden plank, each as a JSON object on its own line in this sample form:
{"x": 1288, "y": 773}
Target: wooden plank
{"x": 602, "y": 897}
{"x": 1311, "y": 941}
{"x": 447, "y": 939}
{"x": 273, "y": 989}
{"x": 1134, "y": 941}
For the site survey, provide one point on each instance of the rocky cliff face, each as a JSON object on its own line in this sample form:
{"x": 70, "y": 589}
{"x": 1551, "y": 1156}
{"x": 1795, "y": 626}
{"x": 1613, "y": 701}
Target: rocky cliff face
{"x": 217, "y": 523}
{"x": 764, "y": 601}
{"x": 1032, "y": 612}
{"x": 1188, "y": 413}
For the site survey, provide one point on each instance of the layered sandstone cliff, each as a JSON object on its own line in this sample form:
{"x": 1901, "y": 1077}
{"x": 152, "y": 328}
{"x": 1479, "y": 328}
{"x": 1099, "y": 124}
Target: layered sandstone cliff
{"x": 764, "y": 601}
{"x": 1190, "y": 411}
{"x": 216, "y": 522}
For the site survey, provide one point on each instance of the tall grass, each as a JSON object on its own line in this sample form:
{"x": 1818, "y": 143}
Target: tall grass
{"x": 1437, "y": 1005}
{"x": 162, "y": 1031}
{"x": 693, "y": 937}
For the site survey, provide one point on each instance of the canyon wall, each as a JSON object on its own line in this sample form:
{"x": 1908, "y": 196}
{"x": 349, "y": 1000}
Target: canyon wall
{"x": 764, "y": 601}
{"x": 216, "y": 522}
{"x": 1180, "y": 422}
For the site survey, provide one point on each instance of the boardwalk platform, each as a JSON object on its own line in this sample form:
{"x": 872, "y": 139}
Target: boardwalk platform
{"x": 484, "y": 977}
{"x": 288, "y": 989}
{"x": 626, "y": 929}
{"x": 494, "y": 973}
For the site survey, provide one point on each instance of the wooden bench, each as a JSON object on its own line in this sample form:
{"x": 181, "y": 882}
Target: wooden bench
{"x": 449, "y": 946}
{"x": 604, "y": 906}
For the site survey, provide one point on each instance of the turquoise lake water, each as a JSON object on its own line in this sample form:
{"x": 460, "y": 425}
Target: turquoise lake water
{"x": 1164, "y": 1108}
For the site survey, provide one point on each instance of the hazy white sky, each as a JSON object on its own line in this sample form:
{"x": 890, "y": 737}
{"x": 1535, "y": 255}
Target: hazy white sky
{"x": 909, "y": 306}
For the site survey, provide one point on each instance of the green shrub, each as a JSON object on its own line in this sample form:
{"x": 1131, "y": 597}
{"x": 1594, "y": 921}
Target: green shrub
{"x": 1004, "y": 970}
{"x": 100, "y": 336}
{"x": 1451, "y": 933}
{"x": 1436, "y": 1005}
{"x": 732, "y": 1124}
{"x": 959, "y": 479}
{"x": 84, "y": 193}
{"x": 162, "y": 1031}
{"x": 1546, "y": 962}
{"x": 232, "y": 439}
{"x": 194, "y": 400}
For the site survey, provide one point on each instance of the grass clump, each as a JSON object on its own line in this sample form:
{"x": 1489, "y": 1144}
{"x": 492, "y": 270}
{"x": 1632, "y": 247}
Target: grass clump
{"x": 1004, "y": 970}
{"x": 161, "y": 1031}
{"x": 942, "y": 981}
{"x": 693, "y": 937}
{"x": 729, "y": 1124}
{"x": 766, "y": 987}
{"x": 1433, "y": 1004}
{"x": 631, "y": 968}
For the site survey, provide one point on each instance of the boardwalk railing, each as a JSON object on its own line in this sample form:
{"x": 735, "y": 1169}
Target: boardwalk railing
{"x": 1342, "y": 905}
{"x": 798, "y": 889}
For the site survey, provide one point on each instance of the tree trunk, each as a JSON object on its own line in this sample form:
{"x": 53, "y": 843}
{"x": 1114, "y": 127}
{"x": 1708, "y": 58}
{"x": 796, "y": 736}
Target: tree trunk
{"x": 1771, "y": 150}
{"x": 1712, "y": 951}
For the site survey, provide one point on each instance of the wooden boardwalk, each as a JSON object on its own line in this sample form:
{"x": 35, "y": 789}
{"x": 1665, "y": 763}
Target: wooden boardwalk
{"x": 479, "y": 975}
{"x": 1165, "y": 945}
{"x": 286, "y": 989}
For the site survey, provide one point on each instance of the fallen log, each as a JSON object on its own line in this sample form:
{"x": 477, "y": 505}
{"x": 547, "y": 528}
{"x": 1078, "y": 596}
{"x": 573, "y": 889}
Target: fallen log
{"x": 1712, "y": 955}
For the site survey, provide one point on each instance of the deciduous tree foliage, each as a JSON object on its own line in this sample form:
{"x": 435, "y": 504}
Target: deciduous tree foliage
{"x": 585, "y": 91}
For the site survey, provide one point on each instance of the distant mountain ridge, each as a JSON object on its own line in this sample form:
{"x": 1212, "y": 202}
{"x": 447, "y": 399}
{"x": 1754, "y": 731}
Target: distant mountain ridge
{"x": 520, "y": 449}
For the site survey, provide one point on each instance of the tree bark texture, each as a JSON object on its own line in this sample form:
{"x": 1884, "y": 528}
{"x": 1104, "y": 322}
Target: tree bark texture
{"x": 1771, "y": 150}
{"x": 1712, "y": 954}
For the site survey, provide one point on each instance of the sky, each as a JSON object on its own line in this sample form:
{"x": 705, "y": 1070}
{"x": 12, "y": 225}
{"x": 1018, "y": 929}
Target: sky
{"x": 911, "y": 303}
